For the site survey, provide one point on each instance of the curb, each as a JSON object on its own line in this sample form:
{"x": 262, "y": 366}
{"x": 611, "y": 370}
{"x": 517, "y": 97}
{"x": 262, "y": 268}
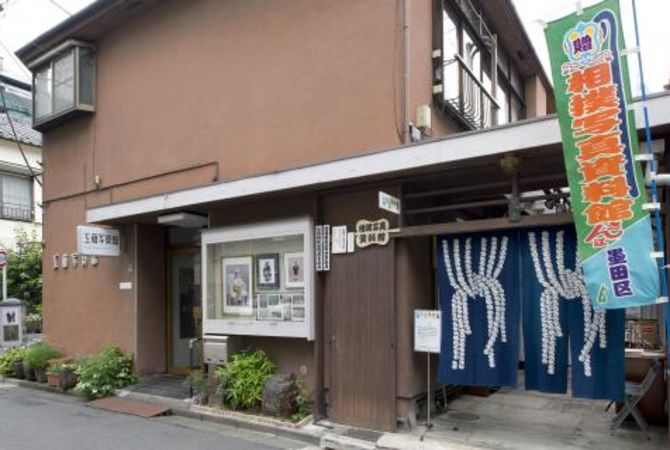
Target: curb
{"x": 185, "y": 409}
{"x": 43, "y": 387}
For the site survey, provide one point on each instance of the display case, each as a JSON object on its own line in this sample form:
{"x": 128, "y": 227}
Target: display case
{"x": 257, "y": 279}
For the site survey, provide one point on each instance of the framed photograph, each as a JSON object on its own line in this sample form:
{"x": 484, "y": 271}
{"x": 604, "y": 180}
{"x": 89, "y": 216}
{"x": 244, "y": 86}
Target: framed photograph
{"x": 267, "y": 271}
{"x": 294, "y": 270}
{"x": 237, "y": 286}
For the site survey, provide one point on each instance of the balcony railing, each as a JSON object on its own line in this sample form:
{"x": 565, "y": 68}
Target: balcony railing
{"x": 16, "y": 212}
{"x": 467, "y": 96}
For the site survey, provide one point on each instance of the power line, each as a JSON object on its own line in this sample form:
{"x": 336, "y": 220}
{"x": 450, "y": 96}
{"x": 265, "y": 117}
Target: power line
{"x": 57, "y": 5}
{"x": 16, "y": 59}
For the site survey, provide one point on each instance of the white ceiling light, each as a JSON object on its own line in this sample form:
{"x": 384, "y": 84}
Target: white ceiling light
{"x": 184, "y": 220}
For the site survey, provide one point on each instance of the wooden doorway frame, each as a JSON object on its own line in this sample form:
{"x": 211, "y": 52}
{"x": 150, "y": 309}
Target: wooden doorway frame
{"x": 171, "y": 252}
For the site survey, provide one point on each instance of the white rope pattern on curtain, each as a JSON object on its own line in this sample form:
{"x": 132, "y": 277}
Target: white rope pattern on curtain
{"x": 484, "y": 284}
{"x": 570, "y": 285}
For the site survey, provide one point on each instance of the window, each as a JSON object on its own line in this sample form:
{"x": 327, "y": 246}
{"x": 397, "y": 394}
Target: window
{"x": 465, "y": 73}
{"x": 16, "y": 192}
{"x": 463, "y": 70}
{"x": 64, "y": 83}
{"x": 258, "y": 279}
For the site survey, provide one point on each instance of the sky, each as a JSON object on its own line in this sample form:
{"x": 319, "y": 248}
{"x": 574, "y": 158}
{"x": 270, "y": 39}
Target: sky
{"x": 23, "y": 20}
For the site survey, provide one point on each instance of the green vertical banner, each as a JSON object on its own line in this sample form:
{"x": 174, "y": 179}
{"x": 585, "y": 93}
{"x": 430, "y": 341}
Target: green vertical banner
{"x": 592, "y": 90}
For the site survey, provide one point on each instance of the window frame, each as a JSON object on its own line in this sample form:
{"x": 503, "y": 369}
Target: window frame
{"x": 49, "y": 60}
{"x": 463, "y": 25}
{"x": 31, "y": 191}
{"x": 263, "y": 230}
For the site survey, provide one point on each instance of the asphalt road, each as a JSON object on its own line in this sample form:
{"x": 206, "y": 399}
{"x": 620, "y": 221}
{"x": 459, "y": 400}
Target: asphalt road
{"x": 33, "y": 420}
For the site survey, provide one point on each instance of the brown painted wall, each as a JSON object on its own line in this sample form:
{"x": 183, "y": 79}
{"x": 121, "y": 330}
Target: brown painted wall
{"x": 257, "y": 85}
{"x": 414, "y": 290}
{"x": 151, "y": 302}
{"x": 83, "y": 306}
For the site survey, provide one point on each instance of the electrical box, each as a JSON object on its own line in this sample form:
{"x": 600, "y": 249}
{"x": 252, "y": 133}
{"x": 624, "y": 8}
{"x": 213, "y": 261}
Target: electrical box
{"x": 217, "y": 349}
{"x": 424, "y": 117}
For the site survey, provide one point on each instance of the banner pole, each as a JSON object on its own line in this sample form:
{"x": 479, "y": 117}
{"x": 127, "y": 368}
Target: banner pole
{"x": 654, "y": 192}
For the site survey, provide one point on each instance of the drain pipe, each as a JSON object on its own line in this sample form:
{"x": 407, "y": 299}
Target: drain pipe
{"x": 405, "y": 77}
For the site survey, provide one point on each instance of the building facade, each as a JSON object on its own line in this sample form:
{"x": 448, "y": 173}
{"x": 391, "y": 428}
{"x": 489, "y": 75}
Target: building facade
{"x": 20, "y": 188}
{"x": 216, "y": 135}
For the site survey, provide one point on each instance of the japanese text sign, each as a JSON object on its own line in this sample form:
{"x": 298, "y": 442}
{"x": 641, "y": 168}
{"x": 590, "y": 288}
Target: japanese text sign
{"x": 369, "y": 232}
{"x": 427, "y": 330}
{"x": 599, "y": 137}
{"x": 98, "y": 241}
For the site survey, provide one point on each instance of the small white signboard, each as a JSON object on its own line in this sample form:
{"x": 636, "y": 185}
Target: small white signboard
{"x": 98, "y": 241}
{"x": 427, "y": 330}
{"x": 387, "y": 202}
{"x": 318, "y": 247}
{"x": 339, "y": 236}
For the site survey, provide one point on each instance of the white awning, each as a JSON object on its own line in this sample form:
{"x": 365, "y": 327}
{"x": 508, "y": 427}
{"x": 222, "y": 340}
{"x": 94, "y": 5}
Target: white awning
{"x": 525, "y": 136}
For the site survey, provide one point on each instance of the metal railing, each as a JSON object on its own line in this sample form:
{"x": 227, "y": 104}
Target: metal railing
{"x": 16, "y": 212}
{"x": 472, "y": 101}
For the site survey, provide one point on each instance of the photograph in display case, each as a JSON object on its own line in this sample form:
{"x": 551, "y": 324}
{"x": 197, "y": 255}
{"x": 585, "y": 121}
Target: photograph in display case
{"x": 267, "y": 271}
{"x": 237, "y": 287}
{"x": 298, "y": 307}
{"x": 294, "y": 270}
{"x": 281, "y": 306}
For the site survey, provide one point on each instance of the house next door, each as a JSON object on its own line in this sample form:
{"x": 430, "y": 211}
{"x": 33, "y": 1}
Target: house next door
{"x": 184, "y": 309}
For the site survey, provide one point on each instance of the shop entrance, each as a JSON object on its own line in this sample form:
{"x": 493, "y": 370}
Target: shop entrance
{"x": 184, "y": 309}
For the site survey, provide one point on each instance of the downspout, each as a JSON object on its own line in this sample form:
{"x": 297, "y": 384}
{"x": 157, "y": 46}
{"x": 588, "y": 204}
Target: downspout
{"x": 405, "y": 78}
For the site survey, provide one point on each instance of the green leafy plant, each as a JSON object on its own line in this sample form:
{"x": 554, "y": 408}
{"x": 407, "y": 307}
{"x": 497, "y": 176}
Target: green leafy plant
{"x": 9, "y": 358}
{"x": 195, "y": 380}
{"x": 38, "y": 355}
{"x": 303, "y": 403}
{"x": 34, "y": 323}
{"x": 24, "y": 269}
{"x": 243, "y": 379}
{"x": 99, "y": 375}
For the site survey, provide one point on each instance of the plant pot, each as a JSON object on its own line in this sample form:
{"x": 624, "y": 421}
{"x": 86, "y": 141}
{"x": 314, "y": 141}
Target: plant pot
{"x": 29, "y": 372}
{"x": 68, "y": 379}
{"x": 41, "y": 374}
{"x": 19, "y": 372}
{"x": 53, "y": 380}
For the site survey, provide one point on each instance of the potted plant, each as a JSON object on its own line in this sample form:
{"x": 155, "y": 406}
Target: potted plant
{"x": 37, "y": 359}
{"x": 11, "y": 362}
{"x": 53, "y": 376}
{"x": 68, "y": 376}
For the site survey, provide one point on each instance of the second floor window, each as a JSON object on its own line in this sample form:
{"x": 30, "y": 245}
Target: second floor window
{"x": 464, "y": 70}
{"x": 64, "y": 84}
{"x": 16, "y": 195}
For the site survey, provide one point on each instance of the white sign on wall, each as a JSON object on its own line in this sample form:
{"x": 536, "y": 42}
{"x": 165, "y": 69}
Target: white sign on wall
{"x": 98, "y": 241}
{"x": 339, "y": 240}
{"x": 389, "y": 203}
{"x": 427, "y": 330}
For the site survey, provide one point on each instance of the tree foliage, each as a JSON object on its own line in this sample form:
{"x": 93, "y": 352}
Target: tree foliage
{"x": 24, "y": 269}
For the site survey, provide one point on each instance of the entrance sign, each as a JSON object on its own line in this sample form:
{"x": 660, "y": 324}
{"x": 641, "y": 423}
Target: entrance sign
{"x": 427, "y": 330}
{"x": 372, "y": 232}
{"x": 98, "y": 241}
{"x": 599, "y": 135}
{"x": 389, "y": 203}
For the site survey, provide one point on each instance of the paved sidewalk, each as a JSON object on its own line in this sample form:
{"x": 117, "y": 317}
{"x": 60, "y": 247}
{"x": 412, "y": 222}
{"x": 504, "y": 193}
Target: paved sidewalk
{"x": 34, "y": 420}
{"x": 513, "y": 420}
